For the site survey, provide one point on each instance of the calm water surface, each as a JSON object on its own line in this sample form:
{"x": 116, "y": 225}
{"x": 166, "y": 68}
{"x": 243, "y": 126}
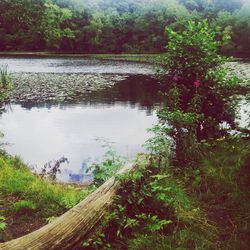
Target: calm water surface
{"x": 45, "y": 132}
{"x": 41, "y": 134}
{"x": 74, "y": 65}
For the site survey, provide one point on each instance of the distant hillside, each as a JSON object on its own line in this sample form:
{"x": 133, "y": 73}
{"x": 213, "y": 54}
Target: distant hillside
{"x": 115, "y": 26}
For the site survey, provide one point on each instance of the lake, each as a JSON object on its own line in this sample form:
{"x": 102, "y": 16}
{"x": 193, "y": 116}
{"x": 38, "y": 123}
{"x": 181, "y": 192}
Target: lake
{"x": 121, "y": 115}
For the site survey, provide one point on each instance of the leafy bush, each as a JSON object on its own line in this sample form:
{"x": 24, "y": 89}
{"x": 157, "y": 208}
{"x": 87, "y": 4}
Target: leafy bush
{"x": 149, "y": 202}
{"x": 198, "y": 99}
{"x": 108, "y": 167}
{"x": 2, "y": 223}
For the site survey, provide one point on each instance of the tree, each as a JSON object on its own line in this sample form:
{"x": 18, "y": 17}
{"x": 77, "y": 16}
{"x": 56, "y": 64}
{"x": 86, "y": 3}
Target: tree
{"x": 93, "y": 31}
{"x": 53, "y": 18}
{"x": 20, "y": 23}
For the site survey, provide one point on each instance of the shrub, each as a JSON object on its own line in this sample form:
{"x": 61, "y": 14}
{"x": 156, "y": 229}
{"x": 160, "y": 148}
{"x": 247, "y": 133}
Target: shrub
{"x": 150, "y": 202}
{"x": 198, "y": 99}
{"x": 108, "y": 167}
{"x": 2, "y": 223}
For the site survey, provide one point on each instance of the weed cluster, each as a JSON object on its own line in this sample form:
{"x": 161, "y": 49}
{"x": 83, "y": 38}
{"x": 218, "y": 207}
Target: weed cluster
{"x": 152, "y": 209}
{"x": 5, "y": 82}
{"x": 108, "y": 167}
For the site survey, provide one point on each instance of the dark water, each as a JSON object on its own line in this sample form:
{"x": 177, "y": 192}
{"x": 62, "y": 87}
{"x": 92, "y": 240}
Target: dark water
{"x": 45, "y": 132}
{"x": 74, "y": 65}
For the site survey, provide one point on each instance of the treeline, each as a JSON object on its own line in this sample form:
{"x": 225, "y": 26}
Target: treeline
{"x": 115, "y": 26}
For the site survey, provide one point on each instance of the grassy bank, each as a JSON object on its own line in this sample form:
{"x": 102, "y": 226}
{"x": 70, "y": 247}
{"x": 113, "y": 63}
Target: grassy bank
{"x": 142, "y": 58}
{"x": 28, "y": 201}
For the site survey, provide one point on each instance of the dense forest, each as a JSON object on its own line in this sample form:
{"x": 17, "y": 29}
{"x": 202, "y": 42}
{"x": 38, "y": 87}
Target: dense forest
{"x": 120, "y": 26}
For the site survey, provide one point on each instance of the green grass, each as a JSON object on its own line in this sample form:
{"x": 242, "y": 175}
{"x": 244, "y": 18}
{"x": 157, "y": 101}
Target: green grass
{"x": 49, "y": 198}
{"x": 143, "y": 58}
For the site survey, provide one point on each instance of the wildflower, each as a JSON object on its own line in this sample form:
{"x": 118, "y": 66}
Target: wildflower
{"x": 197, "y": 83}
{"x": 175, "y": 78}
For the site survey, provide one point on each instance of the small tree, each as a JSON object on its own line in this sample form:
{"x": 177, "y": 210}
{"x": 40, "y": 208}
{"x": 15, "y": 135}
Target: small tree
{"x": 53, "y": 18}
{"x": 199, "y": 91}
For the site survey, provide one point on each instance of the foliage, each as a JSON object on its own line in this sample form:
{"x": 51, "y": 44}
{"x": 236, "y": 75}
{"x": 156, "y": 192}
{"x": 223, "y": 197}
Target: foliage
{"x": 158, "y": 144}
{"x": 54, "y": 17}
{"x": 193, "y": 52}
{"x": 195, "y": 169}
{"x": 20, "y": 24}
{"x": 2, "y": 223}
{"x": 153, "y": 211}
{"x": 52, "y": 168}
{"x": 238, "y": 25}
{"x": 108, "y": 167}
{"x": 199, "y": 91}
{"x": 105, "y": 26}
{"x": 150, "y": 201}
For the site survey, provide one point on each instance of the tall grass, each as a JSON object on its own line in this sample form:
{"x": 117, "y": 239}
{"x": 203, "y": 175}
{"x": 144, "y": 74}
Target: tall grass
{"x": 4, "y": 76}
{"x": 5, "y": 82}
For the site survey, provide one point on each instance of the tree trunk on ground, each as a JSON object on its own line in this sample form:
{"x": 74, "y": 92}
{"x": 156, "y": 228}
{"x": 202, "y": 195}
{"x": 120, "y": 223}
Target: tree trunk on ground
{"x": 74, "y": 225}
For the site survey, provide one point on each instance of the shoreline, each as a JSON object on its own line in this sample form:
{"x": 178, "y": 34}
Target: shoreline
{"x": 140, "y": 58}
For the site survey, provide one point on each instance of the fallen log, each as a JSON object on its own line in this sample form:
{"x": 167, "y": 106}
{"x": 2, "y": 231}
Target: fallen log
{"x": 67, "y": 230}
